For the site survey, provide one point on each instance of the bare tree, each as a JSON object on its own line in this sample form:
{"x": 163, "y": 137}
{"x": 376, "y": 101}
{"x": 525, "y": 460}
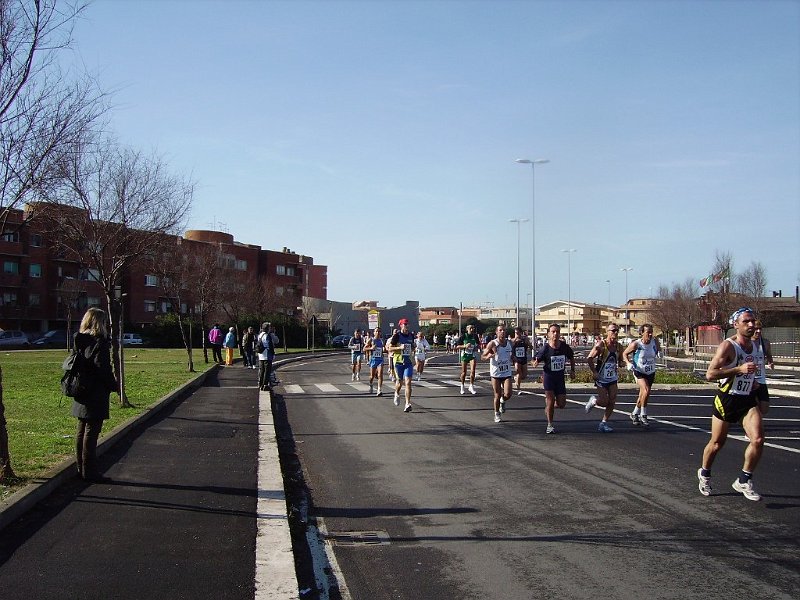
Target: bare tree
{"x": 116, "y": 206}
{"x": 677, "y": 308}
{"x": 42, "y": 116}
{"x": 175, "y": 269}
{"x": 752, "y": 285}
{"x": 205, "y": 273}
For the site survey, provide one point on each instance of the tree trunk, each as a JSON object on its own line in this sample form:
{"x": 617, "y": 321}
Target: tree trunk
{"x": 6, "y": 472}
{"x": 114, "y": 316}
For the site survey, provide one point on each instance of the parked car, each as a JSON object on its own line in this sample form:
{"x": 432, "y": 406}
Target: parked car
{"x": 131, "y": 339}
{"x": 13, "y": 337}
{"x": 55, "y": 338}
{"x": 340, "y": 341}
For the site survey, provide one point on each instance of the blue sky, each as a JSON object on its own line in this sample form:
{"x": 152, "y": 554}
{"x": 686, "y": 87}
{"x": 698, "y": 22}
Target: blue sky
{"x": 381, "y": 137}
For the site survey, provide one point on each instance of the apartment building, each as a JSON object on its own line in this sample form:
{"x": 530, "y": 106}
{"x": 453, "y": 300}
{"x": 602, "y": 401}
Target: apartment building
{"x": 573, "y": 317}
{"x": 41, "y": 288}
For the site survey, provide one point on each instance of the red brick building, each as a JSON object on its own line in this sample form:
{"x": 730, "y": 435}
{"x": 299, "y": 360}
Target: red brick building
{"x": 38, "y": 284}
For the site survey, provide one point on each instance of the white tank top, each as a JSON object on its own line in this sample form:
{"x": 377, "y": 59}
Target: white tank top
{"x": 500, "y": 362}
{"x": 644, "y": 357}
{"x": 740, "y": 385}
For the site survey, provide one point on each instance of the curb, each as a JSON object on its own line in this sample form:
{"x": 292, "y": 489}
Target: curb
{"x": 25, "y": 499}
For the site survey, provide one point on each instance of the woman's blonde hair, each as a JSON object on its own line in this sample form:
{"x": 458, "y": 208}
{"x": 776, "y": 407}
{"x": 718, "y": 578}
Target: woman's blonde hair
{"x": 94, "y": 322}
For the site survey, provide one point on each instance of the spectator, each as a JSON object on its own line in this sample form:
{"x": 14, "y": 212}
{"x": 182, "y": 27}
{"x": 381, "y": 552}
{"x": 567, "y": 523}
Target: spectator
{"x": 249, "y": 348}
{"x": 215, "y": 339}
{"x": 91, "y": 408}
{"x": 230, "y": 344}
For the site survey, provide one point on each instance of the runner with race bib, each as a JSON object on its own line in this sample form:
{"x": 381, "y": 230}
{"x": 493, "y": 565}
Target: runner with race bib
{"x": 640, "y": 356}
{"x": 603, "y": 361}
{"x": 498, "y": 352}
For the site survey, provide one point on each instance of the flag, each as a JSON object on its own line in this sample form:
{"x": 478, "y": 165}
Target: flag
{"x": 721, "y": 275}
{"x": 705, "y": 281}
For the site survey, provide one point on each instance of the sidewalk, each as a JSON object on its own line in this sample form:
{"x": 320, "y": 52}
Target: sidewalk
{"x": 183, "y": 518}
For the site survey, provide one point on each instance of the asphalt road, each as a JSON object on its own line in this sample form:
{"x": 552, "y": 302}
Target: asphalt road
{"x": 444, "y": 503}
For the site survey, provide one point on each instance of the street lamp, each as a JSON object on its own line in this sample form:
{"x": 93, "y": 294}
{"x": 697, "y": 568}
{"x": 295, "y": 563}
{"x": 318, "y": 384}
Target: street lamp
{"x": 533, "y": 163}
{"x": 608, "y": 281}
{"x": 569, "y": 290}
{"x": 519, "y": 222}
{"x": 626, "y": 269}
{"x": 627, "y": 312}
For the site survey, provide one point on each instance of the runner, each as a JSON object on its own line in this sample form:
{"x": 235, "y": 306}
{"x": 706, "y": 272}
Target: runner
{"x": 734, "y": 365}
{"x": 392, "y": 376}
{"x": 401, "y": 344}
{"x": 763, "y": 352}
{"x": 375, "y": 348}
{"x": 498, "y": 352}
{"x": 421, "y": 347}
{"x": 640, "y": 356}
{"x": 356, "y": 346}
{"x": 554, "y": 355}
{"x": 469, "y": 345}
{"x": 604, "y": 358}
{"x": 520, "y": 345}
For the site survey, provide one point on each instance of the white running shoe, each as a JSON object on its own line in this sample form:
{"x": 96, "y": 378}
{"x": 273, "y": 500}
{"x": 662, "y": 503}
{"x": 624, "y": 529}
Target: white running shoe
{"x": 497, "y": 417}
{"x": 358, "y": 376}
{"x": 380, "y": 392}
{"x": 746, "y": 489}
{"x": 353, "y": 377}
{"x": 604, "y": 427}
{"x": 462, "y": 389}
{"x": 591, "y": 403}
{"x": 502, "y": 406}
{"x": 371, "y": 389}
{"x": 645, "y": 422}
{"x": 550, "y": 429}
{"x": 407, "y": 408}
{"x": 635, "y": 419}
{"x": 704, "y": 483}
{"x": 472, "y": 389}
{"x": 396, "y": 399}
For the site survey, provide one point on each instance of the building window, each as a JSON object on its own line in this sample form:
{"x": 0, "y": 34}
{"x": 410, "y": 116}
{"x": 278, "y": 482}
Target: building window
{"x": 10, "y": 236}
{"x": 150, "y": 280}
{"x": 241, "y": 265}
{"x": 278, "y": 291}
{"x": 36, "y": 240}
{"x": 89, "y": 275}
{"x": 10, "y": 298}
{"x": 149, "y": 306}
{"x": 36, "y": 270}
{"x": 166, "y": 307}
{"x": 34, "y": 299}
{"x": 280, "y": 270}
{"x": 92, "y": 301}
{"x": 11, "y": 267}
{"x": 290, "y": 271}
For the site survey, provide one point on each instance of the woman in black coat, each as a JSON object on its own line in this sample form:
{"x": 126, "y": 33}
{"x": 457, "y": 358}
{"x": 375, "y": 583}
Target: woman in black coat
{"x": 91, "y": 408}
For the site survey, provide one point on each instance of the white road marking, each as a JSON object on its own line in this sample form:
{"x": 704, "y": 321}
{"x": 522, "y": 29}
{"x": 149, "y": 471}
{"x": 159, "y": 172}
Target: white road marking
{"x": 326, "y": 387}
{"x": 293, "y": 388}
{"x": 274, "y": 574}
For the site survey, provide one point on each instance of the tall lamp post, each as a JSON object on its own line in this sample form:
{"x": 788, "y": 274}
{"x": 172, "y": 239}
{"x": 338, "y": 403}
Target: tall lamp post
{"x": 569, "y": 290}
{"x": 519, "y": 223}
{"x": 608, "y": 281}
{"x": 533, "y": 163}
{"x": 627, "y": 270}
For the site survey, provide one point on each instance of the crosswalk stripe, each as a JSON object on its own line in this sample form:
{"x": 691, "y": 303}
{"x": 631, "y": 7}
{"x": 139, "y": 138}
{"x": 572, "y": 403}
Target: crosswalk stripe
{"x": 428, "y": 384}
{"x": 361, "y": 387}
{"x": 326, "y": 387}
{"x": 293, "y": 388}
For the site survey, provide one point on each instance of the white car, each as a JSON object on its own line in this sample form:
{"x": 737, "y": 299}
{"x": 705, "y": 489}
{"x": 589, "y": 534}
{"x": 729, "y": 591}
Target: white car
{"x": 13, "y": 337}
{"x": 131, "y": 339}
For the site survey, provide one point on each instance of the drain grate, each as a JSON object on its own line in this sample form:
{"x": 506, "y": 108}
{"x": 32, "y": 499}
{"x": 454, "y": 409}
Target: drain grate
{"x": 358, "y": 538}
